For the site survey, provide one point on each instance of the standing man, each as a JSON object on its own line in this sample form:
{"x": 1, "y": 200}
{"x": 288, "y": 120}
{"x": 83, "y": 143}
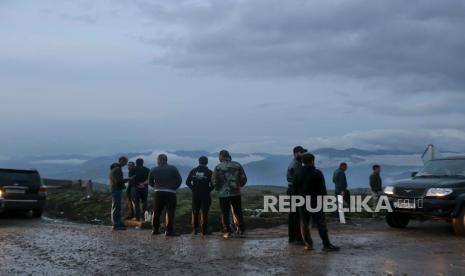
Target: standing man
{"x": 165, "y": 179}
{"x": 376, "y": 185}
{"x": 293, "y": 220}
{"x": 116, "y": 188}
{"x": 340, "y": 182}
{"x": 200, "y": 182}
{"x": 140, "y": 190}
{"x": 131, "y": 184}
{"x": 228, "y": 179}
{"x": 309, "y": 181}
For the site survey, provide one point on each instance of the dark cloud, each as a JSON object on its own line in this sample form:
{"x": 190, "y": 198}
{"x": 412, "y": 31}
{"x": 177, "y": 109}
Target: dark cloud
{"x": 410, "y": 45}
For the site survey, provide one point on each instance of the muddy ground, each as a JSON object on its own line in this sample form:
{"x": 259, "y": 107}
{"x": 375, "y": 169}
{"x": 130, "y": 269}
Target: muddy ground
{"x": 54, "y": 247}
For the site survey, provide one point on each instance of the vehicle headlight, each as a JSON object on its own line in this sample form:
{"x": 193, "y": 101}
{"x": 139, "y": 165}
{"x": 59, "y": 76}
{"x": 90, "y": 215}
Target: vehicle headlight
{"x": 389, "y": 190}
{"x": 1, "y": 193}
{"x": 439, "y": 192}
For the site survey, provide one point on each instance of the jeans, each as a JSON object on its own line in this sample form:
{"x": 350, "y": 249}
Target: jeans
{"x": 164, "y": 201}
{"x": 197, "y": 205}
{"x": 139, "y": 196}
{"x": 116, "y": 207}
{"x": 225, "y": 205}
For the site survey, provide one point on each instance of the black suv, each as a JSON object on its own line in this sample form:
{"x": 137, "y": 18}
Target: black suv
{"x": 22, "y": 190}
{"x": 436, "y": 192}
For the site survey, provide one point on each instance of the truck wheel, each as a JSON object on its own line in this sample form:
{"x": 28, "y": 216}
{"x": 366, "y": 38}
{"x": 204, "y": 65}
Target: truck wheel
{"x": 458, "y": 223}
{"x": 37, "y": 213}
{"x": 397, "y": 220}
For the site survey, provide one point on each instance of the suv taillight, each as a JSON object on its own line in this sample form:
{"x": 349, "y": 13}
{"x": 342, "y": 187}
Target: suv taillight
{"x": 43, "y": 189}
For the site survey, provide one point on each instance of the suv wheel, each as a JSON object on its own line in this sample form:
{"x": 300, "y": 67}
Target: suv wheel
{"x": 397, "y": 220}
{"x": 458, "y": 223}
{"x": 37, "y": 213}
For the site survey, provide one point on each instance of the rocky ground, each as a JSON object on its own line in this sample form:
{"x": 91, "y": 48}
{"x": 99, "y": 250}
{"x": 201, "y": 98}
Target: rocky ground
{"x": 55, "y": 247}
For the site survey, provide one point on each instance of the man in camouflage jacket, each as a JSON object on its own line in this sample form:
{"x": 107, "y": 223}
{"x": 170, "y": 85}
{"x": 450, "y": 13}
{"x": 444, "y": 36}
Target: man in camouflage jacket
{"x": 228, "y": 179}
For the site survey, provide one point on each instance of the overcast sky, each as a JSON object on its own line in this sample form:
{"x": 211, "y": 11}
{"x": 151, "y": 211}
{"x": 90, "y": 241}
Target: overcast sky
{"x": 98, "y": 77}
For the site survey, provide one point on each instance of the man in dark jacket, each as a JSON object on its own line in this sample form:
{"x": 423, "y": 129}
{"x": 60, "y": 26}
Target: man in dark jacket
{"x": 199, "y": 181}
{"x": 165, "y": 179}
{"x": 116, "y": 188}
{"x": 309, "y": 181}
{"x": 228, "y": 179}
{"x": 376, "y": 185}
{"x": 293, "y": 219}
{"x": 140, "y": 190}
{"x": 340, "y": 182}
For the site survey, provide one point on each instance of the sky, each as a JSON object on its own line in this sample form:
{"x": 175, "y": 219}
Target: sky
{"x": 100, "y": 77}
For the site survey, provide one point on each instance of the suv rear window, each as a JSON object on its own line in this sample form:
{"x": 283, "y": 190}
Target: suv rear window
{"x": 9, "y": 177}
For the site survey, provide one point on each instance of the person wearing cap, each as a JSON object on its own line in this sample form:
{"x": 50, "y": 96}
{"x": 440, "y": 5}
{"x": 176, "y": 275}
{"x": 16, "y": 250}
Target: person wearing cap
{"x": 309, "y": 181}
{"x": 116, "y": 188}
{"x": 200, "y": 182}
{"x": 165, "y": 179}
{"x": 293, "y": 218}
{"x": 228, "y": 178}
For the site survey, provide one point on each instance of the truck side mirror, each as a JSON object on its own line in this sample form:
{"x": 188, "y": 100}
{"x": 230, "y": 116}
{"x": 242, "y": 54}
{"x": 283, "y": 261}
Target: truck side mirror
{"x": 414, "y": 174}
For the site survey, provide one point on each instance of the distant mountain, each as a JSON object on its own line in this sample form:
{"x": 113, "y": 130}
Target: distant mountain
{"x": 261, "y": 168}
{"x": 330, "y": 152}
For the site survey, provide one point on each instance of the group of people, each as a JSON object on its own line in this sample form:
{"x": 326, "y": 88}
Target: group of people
{"x": 306, "y": 180}
{"x": 227, "y": 179}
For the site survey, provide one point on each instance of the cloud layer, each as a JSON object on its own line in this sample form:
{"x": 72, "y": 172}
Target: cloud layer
{"x": 99, "y": 77}
{"x": 413, "y": 44}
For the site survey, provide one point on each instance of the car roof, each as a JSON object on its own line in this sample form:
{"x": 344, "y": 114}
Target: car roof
{"x": 18, "y": 170}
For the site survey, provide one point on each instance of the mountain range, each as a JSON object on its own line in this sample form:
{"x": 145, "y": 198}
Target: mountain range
{"x": 261, "y": 168}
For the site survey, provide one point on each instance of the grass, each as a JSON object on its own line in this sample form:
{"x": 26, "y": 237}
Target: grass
{"x": 73, "y": 204}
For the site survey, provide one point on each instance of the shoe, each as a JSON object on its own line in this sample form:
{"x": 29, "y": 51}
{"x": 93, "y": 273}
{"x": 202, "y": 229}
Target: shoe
{"x": 171, "y": 234}
{"x": 155, "y": 232}
{"x": 330, "y": 247}
{"x": 119, "y": 228}
{"x": 226, "y": 236}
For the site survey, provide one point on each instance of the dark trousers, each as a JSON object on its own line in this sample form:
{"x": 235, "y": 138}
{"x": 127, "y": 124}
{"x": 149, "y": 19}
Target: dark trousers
{"x": 225, "y": 205}
{"x": 139, "y": 196}
{"x": 129, "y": 201}
{"x": 200, "y": 206}
{"x": 318, "y": 219}
{"x": 293, "y": 225}
{"x": 164, "y": 201}
{"x": 345, "y": 197}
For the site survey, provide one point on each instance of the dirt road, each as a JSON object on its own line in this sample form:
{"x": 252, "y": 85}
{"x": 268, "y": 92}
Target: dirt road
{"x": 49, "y": 247}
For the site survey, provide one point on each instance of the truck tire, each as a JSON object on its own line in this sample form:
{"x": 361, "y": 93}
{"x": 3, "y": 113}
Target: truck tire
{"x": 37, "y": 213}
{"x": 458, "y": 223}
{"x": 397, "y": 220}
